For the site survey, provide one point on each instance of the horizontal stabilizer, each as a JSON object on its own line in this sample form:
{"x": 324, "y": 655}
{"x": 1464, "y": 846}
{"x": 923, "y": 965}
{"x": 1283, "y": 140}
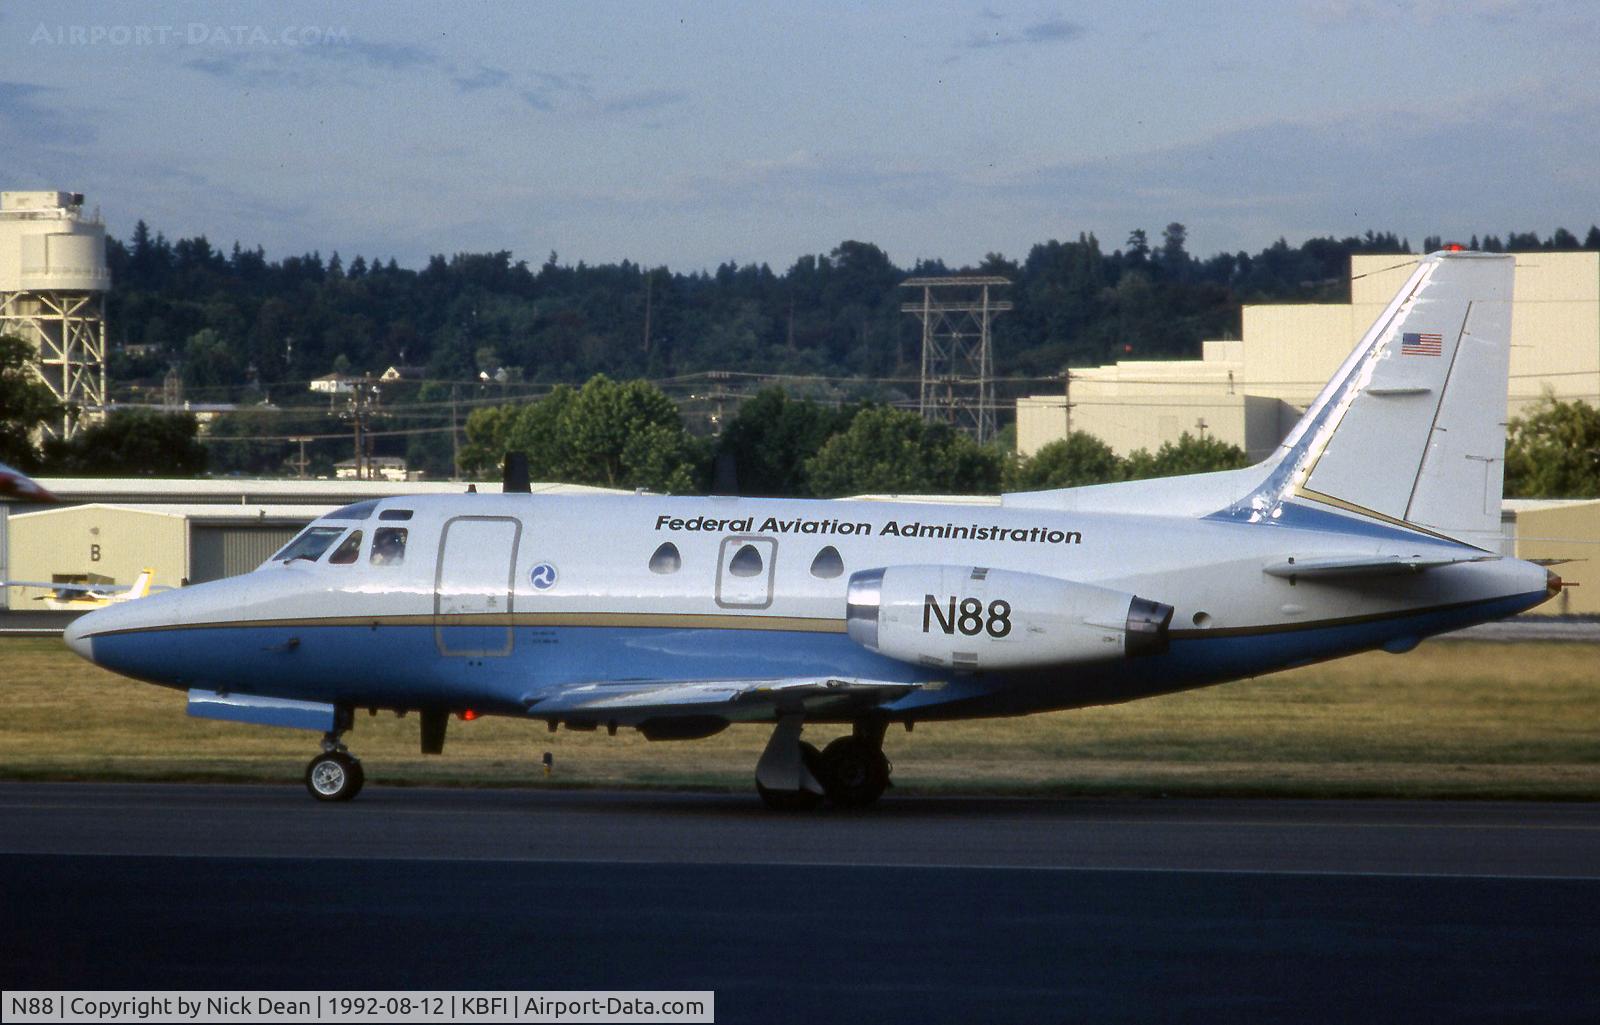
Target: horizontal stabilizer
{"x": 1365, "y": 565}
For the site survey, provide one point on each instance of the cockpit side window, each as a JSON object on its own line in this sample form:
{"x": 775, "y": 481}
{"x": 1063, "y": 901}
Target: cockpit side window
{"x": 389, "y": 546}
{"x": 395, "y": 514}
{"x": 348, "y": 551}
{"x": 311, "y": 543}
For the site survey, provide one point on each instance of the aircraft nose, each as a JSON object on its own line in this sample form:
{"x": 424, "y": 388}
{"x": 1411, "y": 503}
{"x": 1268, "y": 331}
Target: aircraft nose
{"x": 77, "y": 637}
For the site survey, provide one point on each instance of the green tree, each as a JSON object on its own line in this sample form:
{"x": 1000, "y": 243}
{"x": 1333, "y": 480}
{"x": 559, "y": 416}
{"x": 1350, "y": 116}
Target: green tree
{"x": 209, "y": 361}
{"x": 247, "y": 441}
{"x": 25, "y": 404}
{"x": 1070, "y": 462}
{"x": 533, "y": 428}
{"x": 771, "y": 437}
{"x": 1188, "y": 454}
{"x": 630, "y": 435}
{"x": 1554, "y": 451}
{"x": 131, "y": 443}
{"x": 624, "y": 435}
{"x": 893, "y": 450}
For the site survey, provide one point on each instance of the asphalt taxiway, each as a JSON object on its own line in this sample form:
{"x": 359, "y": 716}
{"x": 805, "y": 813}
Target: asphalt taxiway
{"x": 922, "y": 909}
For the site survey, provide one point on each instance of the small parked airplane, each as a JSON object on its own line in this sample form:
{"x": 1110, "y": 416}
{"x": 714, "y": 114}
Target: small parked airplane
{"x": 1375, "y": 524}
{"x": 82, "y": 595}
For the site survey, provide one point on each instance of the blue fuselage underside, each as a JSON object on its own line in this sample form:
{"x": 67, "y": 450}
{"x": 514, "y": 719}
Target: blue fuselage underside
{"x": 401, "y": 666}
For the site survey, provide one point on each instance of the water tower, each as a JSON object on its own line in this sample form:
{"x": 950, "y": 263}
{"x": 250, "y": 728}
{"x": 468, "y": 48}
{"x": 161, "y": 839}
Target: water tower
{"x": 53, "y": 284}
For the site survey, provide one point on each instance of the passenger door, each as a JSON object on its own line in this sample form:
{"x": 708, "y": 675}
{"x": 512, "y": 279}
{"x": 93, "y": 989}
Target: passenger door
{"x": 475, "y": 584}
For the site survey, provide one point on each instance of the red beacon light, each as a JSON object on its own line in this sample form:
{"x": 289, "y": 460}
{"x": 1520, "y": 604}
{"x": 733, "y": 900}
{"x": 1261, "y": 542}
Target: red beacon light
{"x": 1454, "y": 247}
{"x": 467, "y": 715}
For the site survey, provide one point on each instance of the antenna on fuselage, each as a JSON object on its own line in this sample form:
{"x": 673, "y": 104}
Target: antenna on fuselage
{"x": 515, "y": 479}
{"x": 726, "y": 476}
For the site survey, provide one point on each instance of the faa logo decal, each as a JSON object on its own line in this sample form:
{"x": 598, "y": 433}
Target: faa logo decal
{"x": 542, "y": 576}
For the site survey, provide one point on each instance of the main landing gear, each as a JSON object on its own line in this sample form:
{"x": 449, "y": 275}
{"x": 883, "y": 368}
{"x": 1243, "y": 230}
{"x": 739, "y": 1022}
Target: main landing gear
{"x": 851, "y": 772}
{"x": 335, "y": 774}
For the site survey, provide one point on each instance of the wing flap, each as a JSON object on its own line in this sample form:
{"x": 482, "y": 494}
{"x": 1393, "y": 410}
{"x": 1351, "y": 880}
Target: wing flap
{"x": 633, "y": 701}
{"x": 1365, "y": 565}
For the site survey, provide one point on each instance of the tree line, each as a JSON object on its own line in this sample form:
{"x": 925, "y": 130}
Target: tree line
{"x": 237, "y": 325}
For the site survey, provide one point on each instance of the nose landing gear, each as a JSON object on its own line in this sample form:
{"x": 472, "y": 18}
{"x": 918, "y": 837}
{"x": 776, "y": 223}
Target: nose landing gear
{"x": 335, "y": 774}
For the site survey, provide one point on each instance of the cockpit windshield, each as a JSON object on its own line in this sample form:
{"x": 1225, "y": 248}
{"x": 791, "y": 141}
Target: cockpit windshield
{"x": 311, "y": 543}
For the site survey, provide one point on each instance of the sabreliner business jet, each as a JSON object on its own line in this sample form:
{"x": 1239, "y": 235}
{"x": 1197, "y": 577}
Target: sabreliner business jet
{"x": 1375, "y": 524}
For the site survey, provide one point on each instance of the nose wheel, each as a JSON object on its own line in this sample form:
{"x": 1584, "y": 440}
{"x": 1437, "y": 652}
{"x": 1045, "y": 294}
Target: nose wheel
{"x": 335, "y": 774}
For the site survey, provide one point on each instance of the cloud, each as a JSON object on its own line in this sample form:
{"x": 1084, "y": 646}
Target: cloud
{"x": 482, "y": 78}
{"x": 1041, "y": 33}
{"x": 43, "y": 123}
{"x": 1501, "y": 164}
{"x": 251, "y": 69}
{"x": 648, "y": 99}
{"x": 309, "y": 65}
{"x": 547, "y": 88}
{"x": 387, "y": 56}
{"x": 1424, "y": 12}
{"x": 353, "y": 63}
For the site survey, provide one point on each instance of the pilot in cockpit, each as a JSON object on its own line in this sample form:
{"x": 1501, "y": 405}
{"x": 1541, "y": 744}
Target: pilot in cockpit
{"x": 389, "y": 546}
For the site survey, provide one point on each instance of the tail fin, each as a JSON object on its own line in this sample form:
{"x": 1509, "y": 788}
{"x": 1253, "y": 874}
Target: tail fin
{"x": 139, "y": 588}
{"x": 1412, "y": 428}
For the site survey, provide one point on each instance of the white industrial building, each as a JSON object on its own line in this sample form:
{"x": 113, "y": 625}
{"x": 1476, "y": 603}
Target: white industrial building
{"x": 53, "y": 282}
{"x": 1251, "y": 391}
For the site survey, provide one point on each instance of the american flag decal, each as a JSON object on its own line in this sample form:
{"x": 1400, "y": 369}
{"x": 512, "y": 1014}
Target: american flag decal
{"x": 1413, "y": 344}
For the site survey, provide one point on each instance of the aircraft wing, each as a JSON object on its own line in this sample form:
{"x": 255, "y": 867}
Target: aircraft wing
{"x": 16, "y": 484}
{"x": 634, "y": 701}
{"x": 96, "y": 588}
{"x": 1365, "y": 565}
{"x": 81, "y": 588}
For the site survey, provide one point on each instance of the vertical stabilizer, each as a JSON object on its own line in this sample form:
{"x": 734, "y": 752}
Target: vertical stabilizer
{"x": 139, "y": 588}
{"x": 1412, "y": 428}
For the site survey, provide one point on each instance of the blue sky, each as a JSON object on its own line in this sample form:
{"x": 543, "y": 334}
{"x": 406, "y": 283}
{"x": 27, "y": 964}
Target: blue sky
{"x": 693, "y": 134}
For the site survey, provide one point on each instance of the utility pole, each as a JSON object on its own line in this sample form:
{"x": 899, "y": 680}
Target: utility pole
{"x": 361, "y": 469}
{"x": 957, "y": 356}
{"x": 649, "y": 286}
{"x": 301, "y": 463}
{"x": 455, "y": 438}
{"x": 360, "y": 412}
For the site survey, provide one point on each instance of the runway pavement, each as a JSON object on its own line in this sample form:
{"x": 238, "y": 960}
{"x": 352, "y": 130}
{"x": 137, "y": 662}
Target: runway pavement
{"x": 923, "y": 909}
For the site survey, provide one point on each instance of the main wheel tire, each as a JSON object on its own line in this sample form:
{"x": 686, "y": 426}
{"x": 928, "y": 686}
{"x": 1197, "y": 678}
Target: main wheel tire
{"x": 334, "y": 776}
{"x": 796, "y": 800}
{"x": 854, "y": 772}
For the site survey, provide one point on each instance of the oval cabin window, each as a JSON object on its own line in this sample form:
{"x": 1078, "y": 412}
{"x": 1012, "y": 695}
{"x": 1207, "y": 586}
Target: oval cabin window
{"x": 827, "y": 564}
{"x": 746, "y": 562}
{"x": 666, "y": 559}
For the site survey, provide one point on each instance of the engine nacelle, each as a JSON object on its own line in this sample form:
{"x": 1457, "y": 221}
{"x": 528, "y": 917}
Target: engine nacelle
{"x": 966, "y": 617}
